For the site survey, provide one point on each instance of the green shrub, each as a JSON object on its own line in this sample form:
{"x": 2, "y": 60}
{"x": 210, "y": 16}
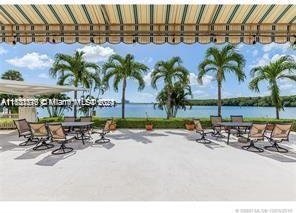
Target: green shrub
{"x": 162, "y": 123}
{"x": 6, "y": 123}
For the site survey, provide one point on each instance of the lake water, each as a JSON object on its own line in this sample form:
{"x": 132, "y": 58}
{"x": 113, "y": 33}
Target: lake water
{"x": 139, "y": 110}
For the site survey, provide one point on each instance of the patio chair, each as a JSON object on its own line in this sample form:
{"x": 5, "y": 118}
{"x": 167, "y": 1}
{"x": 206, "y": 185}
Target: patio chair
{"x": 238, "y": 119}
{"x": 40, "y": 133}
{"x": 279, "y": 134}
{"x": 256, "y": 134}
{"x": 217, "y": 129}
{"x": 69, "y": 119}
{"x": 203, "y": 132}
{"x": 269, "y": 129}
{"x": 23, "y": 129}
{"x": 58, "y": 135}
{"x": 103, "y": 132}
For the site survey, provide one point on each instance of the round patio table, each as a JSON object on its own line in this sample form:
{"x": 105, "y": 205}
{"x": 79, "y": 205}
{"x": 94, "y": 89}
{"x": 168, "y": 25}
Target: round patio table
{"x": 78, "y": 125}
{"x": 234, "y": 125}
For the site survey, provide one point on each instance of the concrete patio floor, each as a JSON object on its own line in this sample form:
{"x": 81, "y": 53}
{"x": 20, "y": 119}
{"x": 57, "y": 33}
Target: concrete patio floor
{"x": 147, "y": 166}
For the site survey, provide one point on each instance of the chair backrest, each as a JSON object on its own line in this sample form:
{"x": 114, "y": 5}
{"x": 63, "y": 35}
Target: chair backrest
{"x": 56, "y": 131}
{"x": 257, "y": 131}
{"x": 215, "y": 119}
{"x": 85, "y": 119}
{"x": 22, "y": 125}
{"x": 281, "y": 131}
{"x": 270, "y": 127}
{"x": 38, "y": 129}
{"x": 107, "y": 125}
{"x": 69, "y": 119}
{"x": 236, "y": 118}
{"x": 198, "y": 125}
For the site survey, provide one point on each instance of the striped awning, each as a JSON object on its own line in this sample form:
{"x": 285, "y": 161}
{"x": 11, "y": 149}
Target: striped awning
{"x": 148, "y": 23}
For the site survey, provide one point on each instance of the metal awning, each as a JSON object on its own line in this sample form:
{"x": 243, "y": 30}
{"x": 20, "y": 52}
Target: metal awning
{"x": 148, "y": 23}
{"x": 30, "y": 89}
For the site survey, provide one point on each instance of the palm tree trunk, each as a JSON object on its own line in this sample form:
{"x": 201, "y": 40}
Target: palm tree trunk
{"x": 123, "y": 99}
{"x": 277, "y": 113}
{"x": 75, "y": 106}
{"x": 219, "y": 103}
{"x": 169, "y": 104}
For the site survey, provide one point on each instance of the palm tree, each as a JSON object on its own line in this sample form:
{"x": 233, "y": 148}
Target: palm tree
{"x": 220, "y": 62}
{"x": 74, "y": 70}
{"x": 283, "y": 68}
{"x": 120, "y": 69}
{"x": 179, "y": 98}
{"x": 12, "y": 75}
{"x": 170, "y": 71}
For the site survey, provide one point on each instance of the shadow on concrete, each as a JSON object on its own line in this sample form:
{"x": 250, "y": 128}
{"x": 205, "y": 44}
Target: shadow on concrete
{"x": 281, "y": 157}
{"x": 51, "y": 160}
{"x": 192, "y": 136}
{"x": 141, "y": 137}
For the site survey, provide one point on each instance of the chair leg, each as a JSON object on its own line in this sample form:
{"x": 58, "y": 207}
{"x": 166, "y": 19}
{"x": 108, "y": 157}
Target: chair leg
{"x": 252, "y": 145}
{"x": 276, "y": 148}
{"x": 203, "y": 139}
{"x": 103, "y": 139}
{"x": 217, "y": 134}
{"x": 29, "y": 142}
{"x": 42, "y": 145}
{"x": 62, "y": 150}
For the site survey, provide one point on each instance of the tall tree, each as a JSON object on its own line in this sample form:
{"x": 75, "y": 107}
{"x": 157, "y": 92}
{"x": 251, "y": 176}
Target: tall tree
{"x": 170, "y": 72}
{"x": 75, "y": 70}
{"x": 121, "y": 69}
{"x": 12, "y": 75}
{"x": 283, "y": 68}
{"x": 221, "y": 61}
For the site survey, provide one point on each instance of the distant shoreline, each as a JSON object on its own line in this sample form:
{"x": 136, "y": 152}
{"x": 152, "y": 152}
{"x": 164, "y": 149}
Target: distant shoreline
{"x": 264, "y": 101}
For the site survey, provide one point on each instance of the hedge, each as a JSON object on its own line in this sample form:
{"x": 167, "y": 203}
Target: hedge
{"x": 6, "y": 123}
{"x": 158, "y": 123}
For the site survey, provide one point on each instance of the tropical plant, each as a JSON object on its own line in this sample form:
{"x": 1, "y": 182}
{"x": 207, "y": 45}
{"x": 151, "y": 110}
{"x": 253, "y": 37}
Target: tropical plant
{"x": 283, "y": 68}
{"x": 15, "y": 76}
{"x": 220, "y": 62}
{"x": 179, "y": 94}
{"x": 121, "y": 69}
{"x": 170, "y": 71}
{"x": 87, "y": 109}
{"x": 75, "y": 70}
{"x": 55, "y": 110}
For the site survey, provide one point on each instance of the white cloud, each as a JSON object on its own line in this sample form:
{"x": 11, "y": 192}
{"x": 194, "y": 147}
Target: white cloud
{"x": 2, "y": 51}
{"x": 43, "y": 75}
{"x": 266, "y": 59}
{"x": 31, "y": 61}
{"x": 207, "y": 79}
{"x": 96, "y": 53}
{"x": 274, "y": 46}
{"x": 240, "y": 46}
{"x": 147, "y": 78}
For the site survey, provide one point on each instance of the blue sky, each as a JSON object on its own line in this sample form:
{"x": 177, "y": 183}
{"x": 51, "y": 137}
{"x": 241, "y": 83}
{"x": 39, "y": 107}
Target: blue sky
{"x": 34, "y": 61}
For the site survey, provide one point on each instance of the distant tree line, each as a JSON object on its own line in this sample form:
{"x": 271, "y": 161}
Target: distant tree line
{"x": 288, "y": 101}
